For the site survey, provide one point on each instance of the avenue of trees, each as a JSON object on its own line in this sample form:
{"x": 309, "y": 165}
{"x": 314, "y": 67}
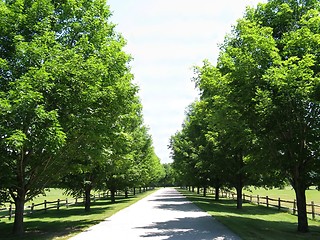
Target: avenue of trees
{"x": 257, "y": 121}
{"x": 69, "y": 111}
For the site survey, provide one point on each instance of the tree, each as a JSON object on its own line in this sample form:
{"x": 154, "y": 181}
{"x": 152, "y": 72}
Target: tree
{"x": 62, "y": 73}
{"x": 191, "y": 151}
{"x": 288, "y": 105}
{"x": 269, "y": 67}
{"x": 169, "y": 180}
{"x": 229, "y": 138}
{"x": 293, "y": 112}
{"x": 184, "y": 155}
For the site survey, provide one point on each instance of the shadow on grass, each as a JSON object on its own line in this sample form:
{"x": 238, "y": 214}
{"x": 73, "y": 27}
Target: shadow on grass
{"x": 228, "y": 206}
{"x": 37, "y": 229}
{"x": 254, "y": 228}
{"x": 55, "y": 223}
{"x": 252, "y": 221}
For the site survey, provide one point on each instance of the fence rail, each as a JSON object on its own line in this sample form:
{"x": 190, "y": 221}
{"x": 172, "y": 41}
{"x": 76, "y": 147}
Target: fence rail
{"x": 281, "y": 204}
{"x": 8, "y": 212}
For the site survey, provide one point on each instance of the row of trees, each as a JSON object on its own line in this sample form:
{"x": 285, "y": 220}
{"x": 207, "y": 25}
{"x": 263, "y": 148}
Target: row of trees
{"x": 69, "y": 111}
{"x": 257, "y": 121}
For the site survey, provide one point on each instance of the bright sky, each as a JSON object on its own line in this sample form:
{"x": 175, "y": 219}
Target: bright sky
{"x": 166, "y": 38}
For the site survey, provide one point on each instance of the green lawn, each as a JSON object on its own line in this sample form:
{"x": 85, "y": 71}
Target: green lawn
{"x": 66, "y": 222}
{"x": 287, "y": 193}
{"x": 254, "y": 222}
{"x": 52, "y": 194}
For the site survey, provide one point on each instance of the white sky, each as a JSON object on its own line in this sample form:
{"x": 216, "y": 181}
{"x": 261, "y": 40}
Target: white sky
{"x": 166, "y": 38}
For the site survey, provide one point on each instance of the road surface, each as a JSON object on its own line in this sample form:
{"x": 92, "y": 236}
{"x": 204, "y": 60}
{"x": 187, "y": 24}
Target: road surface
{"x": 165, "y": 214}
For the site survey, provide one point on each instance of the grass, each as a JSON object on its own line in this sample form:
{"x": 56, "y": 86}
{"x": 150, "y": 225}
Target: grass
{"x": 52, "y": 194}
{"x": 286, "y": 194}
{"x": 66, "y": 222}
{"x": 254, "y": 222}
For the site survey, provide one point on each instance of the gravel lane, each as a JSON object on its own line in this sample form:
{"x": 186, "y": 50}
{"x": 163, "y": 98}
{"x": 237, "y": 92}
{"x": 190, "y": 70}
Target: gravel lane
{"x": 165, "y": 214}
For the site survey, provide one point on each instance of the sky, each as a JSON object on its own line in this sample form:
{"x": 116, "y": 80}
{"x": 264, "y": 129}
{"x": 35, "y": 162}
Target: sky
{"x": 166, "y": 39}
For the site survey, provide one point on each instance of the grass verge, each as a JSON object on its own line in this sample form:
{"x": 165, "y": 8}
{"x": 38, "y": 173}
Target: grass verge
{"x": 286, "y": 193}
{"x": 66, "y": 222}
{"x": 254, "y": 222}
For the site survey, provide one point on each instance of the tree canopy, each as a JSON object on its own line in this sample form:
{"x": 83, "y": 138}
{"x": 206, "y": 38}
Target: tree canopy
{"x": 262, "y": 99}
{"x": 68, "y": 105}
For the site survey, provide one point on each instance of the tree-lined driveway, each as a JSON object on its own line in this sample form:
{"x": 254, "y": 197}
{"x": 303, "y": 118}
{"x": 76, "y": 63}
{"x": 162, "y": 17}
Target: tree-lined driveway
{"x": 165, "y": 214}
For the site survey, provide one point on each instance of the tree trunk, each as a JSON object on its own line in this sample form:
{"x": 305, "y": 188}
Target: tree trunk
{"x": 216, "y": 195}
{"x": 240, "y": 180}
{"x": 192, "y": 188}
{"x": 126, "y": 193}
{"x": 113, "y": 195}
{"x": 87, "y": 198}
{"x": 204, "y": 191}
{"x": 134, "y": 191}
{"x": 19, "y": 201}
{"x": 300, "y": 190}
{"x": 239, "y": 196}
{"x": 198, "y": 190}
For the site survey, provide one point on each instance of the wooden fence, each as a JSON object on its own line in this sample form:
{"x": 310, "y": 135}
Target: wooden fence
{"x": 313, "y": 210}
{"x": 8, "y": 212}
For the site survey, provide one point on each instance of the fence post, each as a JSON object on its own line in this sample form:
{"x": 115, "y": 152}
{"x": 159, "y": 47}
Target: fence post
{"x": 67, "y": 204}
{"x": 243, "y": 197}
{"x": 58, "y": 204}
{"x": 250, "y": 198}
{"x": 10, "y": 212}
{"x": 294, "y": 207}
{"x": 312, "y": 209}
{"x": 279, "y": 204}
{"x": 94, "y": 198}
{"x": 258, "y": 199}
{"x": 267, "y": 201}
{"x": 45, "y": 205}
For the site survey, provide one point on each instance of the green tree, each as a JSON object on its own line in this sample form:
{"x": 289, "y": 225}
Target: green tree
{"x": 184, "y": 159}
{"x": 169, "y": 180}
{"x": 288, "y": 102}
{"x": 190, "y": 149}
{"x": 269, "y": 66}
{"x": 63, "y": 78}
{"x": 228, "y": 134}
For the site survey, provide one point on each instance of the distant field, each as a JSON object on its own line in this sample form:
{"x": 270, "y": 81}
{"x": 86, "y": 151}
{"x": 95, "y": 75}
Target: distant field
{"x": 51, "y": 194}
{"x": 286, "y": 194}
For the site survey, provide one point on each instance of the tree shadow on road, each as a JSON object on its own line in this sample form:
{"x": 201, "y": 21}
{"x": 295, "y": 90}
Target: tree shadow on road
{"x": 179, "y": 206}
{"x": 168, "y": 199}
{"x": 189, "y": 228}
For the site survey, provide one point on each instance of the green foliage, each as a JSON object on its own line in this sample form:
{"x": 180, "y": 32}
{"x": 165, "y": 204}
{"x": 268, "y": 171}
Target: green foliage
{"x": 170, "y": 177}
{"x": 262, "y": 102}
{"x": 66, "y": 98}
